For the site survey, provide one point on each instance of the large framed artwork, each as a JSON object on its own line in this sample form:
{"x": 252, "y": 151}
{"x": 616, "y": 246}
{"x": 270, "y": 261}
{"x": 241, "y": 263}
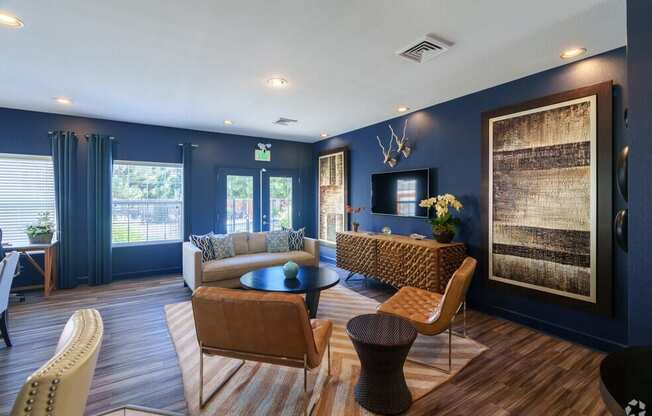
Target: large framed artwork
{"x": 547, "y": 170}
{"x": 333, "y": 197}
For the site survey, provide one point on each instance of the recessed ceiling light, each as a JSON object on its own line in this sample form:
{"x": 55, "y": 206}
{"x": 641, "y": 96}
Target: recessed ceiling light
{"x": 228, "y": 122}
{"x": 277, "y": 82}
{"x": 323, "y": 135}
{"x": 63, "y": 100}
{"x": 10, "y": 20}
{"x": 572, "y": 53}
{"x": 402, "y": 109}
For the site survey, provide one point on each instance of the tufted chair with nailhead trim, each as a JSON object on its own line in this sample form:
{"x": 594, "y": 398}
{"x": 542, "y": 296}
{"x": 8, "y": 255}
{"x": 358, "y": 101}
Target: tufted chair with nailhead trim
{"x": 60, "y": 387}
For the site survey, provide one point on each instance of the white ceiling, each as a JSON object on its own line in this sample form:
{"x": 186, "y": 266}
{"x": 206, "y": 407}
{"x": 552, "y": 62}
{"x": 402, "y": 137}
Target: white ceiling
{"x": 193, "y": 64}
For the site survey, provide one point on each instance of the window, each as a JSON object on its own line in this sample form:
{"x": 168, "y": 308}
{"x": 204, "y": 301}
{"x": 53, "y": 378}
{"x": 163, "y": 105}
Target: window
{"x": 147, "y": 202}
{"x": 406, "y": 197}
{"x": 332, "y": 194}
{"x": 280, "y": 203}
{"x": 239, "y": 203}
{"x": 26, "y": 189}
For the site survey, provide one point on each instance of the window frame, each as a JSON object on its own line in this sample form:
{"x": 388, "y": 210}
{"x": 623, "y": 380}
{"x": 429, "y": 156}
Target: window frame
{"x": 149, "y": 242}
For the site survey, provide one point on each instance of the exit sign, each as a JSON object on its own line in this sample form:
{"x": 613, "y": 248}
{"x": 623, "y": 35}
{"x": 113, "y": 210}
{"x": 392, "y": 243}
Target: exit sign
{"x": 263, "y": 155}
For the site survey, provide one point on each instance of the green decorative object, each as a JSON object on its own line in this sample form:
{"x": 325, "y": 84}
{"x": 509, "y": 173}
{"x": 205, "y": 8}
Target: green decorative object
{"x": 290, "y": 269}
{"x": 386, "y": 230}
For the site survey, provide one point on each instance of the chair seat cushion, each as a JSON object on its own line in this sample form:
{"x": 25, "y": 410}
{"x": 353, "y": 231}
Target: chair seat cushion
{"x": 233, "y": 267}
{"x": 414, "y": 304}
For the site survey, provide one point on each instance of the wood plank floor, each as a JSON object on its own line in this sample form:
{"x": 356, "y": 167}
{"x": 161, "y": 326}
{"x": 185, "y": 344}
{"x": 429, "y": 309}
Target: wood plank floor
{"x": 524, "y": 372}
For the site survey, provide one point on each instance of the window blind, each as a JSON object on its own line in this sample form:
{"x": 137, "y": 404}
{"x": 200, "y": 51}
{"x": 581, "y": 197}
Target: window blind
{"x": 26, "y": 189}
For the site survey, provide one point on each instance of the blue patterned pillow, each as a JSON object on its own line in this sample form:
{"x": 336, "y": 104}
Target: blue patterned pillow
{"x": 295, "y": 238}
{"x": 223, "y": 246}
{"x": 277, "y": 242}
{"x": 205, "y": 244}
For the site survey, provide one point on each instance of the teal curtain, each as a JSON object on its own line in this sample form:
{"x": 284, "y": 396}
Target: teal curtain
{"x": 64, "y": 155}
{"x": 187, "y": 189}
{"x": 100, "y": 167}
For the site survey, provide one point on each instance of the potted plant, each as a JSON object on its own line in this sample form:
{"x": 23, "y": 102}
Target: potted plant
{"x": 352, "y": 210}
{"x": 444, "y": 225}
{"x": 42, "y": 230}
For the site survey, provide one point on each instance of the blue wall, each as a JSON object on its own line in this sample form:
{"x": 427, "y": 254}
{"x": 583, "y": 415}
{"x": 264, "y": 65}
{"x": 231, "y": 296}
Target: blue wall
{"x": 447, "y": 138}
{"x": 26, "y": 132}
{"x": 639, "y": 65}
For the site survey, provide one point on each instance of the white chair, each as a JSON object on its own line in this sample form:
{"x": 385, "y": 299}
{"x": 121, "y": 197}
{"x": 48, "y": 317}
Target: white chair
{"x": 8, "y": 267}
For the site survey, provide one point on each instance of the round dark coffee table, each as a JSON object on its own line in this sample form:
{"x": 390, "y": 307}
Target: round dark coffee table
{"x": 626, "y": 380}
{"x": 310, "y": 280}
{"x": 382, "y": 343}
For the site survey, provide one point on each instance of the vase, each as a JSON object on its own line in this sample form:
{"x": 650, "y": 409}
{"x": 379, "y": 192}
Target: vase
{"x": 443, "y": 237}
{"x": 355, "y": 227}
{"x": 290, "y": 270}
{"x": 40, "y": 238}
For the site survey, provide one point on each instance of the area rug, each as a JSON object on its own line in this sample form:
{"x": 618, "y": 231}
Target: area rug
{"x": 262, "y": 389}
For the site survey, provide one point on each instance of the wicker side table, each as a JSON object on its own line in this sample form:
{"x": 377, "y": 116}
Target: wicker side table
{"x": 382, "y": 343}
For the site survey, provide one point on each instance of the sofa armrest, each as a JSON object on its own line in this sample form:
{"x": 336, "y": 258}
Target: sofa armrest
{"x": 192, "y": 270}
{"x": 311, "y": 246}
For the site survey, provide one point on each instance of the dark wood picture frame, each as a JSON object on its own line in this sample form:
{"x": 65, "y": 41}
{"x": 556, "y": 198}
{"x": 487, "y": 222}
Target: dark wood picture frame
{"x": 604, "y": 189}
{"x": 345, "y": 160}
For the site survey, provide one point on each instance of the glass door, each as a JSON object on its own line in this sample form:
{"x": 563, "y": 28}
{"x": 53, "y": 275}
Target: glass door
{"x": 239, "y": 203}
{"x": 279, "y": 190}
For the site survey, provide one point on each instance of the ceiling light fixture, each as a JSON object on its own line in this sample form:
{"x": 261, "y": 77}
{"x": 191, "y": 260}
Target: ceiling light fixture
{"x": 402, "y": 109}
{"x": 63, "y": 100}
{"x": 277, "y": 82}
{"x": 572, "y": 53}
{"x": 10, "y": 20}
{"x": 323, "y": 135}
{"x": 228, "y": 122}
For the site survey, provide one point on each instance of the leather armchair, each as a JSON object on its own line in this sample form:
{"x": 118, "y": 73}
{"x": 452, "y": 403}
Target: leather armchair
{"x": 266, "y": 327}
{"x": 432, "y": 313}
{"x": 61, "y": 385}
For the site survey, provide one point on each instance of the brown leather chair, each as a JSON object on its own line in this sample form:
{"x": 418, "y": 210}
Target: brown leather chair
{"x": 433, "y": 313}
{"x": 266, "y": 327}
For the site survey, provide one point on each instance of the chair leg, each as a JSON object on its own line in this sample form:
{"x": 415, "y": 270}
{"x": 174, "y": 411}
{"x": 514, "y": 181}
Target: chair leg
{"x": 329, "y": 358}
{"x": 202, "y": 403}
{"x": 305, "y": 384}
{"x": 3, "y": 328}
{"x": 450, "y": 355}
{"x": 463, "y": 309}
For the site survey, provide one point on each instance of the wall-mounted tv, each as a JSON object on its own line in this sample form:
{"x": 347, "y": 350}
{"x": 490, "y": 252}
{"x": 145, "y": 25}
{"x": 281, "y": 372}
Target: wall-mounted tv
{"x": 399, "y": 193}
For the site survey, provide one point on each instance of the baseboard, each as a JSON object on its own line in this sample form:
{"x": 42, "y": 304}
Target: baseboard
{"x": 573, "y": 335}
{"x": 327, "y": 259}
{"x": 144, "y": 273}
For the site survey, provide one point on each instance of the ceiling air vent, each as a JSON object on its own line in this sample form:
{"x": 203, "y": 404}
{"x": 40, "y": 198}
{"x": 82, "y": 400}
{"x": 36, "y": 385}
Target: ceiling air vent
{"x": 283, "y": 121}
{"x": 424, "y": 49}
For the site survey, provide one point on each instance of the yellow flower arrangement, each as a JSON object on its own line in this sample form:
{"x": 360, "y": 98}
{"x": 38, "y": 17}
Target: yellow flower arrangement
{"x": 443, "y": 222}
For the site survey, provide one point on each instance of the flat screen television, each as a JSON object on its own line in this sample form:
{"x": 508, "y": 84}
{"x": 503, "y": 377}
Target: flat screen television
{"x": 399, "y": 193}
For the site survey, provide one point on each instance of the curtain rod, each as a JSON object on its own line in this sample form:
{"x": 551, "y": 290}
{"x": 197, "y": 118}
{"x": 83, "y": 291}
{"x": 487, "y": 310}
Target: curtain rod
{"x": 50, "y": 132}
{"x": 192, "y": 144}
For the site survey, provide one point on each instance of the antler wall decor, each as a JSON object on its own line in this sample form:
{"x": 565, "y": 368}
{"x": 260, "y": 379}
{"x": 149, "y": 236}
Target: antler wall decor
{"x": 388, "y": 157}
{"x": 402, "y": 144}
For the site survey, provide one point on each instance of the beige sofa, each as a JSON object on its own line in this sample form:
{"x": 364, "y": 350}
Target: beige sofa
{"x": 250, "y": 254}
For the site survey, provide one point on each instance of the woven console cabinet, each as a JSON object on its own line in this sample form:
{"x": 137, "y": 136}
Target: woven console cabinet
{"x": 399, "y": 260}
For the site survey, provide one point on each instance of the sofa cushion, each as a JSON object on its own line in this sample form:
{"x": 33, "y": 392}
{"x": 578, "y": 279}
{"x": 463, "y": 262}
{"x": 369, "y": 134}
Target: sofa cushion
{"x": 205, "y": 244}
{"x": 257, "y": 242}
{"x": 295, "y": 238}
{"x": 240, "y": 243}
{"x": 235, "y": 267}
{"x": 277, "y": 242}
{"x": 222, "y": 246}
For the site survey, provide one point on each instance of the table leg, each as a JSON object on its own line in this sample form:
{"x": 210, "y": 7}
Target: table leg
{"x": 312, "y": 303}
{"x": 47, "y": 275}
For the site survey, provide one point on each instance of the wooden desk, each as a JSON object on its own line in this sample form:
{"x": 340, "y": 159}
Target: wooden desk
{"x": 49, "y": 269}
